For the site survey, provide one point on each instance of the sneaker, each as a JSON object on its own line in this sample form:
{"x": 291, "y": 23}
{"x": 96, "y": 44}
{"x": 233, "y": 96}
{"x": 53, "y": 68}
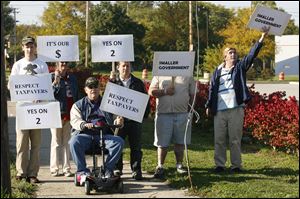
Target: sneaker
{"x": 236, "y": 170}
{"x": 180, "y": 169}
{"x": 118, "y": 172}
{"x": 137, "y": 175}
{"x": 33, "y": 180}
{"x": 81, "y": 177}
{"x": 68, "y": 174}
{"x": 219, "y": 169}
{"x": 159, "y": 173}
{"x": 54, "y": 173}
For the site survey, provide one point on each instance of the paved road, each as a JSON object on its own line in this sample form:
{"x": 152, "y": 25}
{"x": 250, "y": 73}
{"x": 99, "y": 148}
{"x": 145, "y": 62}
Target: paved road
{"x": 63, "y": 187}
{"x": 291, "y": 89}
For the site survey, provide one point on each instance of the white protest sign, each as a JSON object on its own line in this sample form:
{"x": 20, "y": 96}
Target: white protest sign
{"x": 38, "y": 115}
{"x": 112, "y": 48}
{"x": 31, "y": 87}
{"x": 124, "y": 102}
{"x": 58, "y": 48}
{"x": 173, "y": 63}
{"x": 264, "y": 16}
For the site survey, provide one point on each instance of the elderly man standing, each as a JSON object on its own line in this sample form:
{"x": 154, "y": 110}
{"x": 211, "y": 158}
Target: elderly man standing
{"x": 173, "y": 95}
{"x": 228, "y": 94}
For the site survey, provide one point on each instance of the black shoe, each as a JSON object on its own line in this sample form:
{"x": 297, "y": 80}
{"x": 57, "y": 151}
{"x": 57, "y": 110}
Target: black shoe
{"x": 159, "y": 173}
{"x": 137, "y": 175}
{"x": 33, "y": 180}
{"x": 219, "y": 169}
{"x": 19, "y": 178}
{"x": 236, "y": 170}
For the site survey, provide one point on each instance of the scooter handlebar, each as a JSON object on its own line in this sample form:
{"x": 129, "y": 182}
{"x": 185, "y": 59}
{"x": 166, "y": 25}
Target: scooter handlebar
{"x": 106, "y": 126}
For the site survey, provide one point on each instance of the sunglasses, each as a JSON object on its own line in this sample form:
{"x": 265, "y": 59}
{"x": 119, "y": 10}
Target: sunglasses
{"x": 93, "y": 86}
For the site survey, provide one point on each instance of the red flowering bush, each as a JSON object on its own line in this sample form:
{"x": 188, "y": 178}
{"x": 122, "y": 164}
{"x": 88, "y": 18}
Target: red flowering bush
{"x": 152, "y": 99}
{"x": 201, "y": 98}
{"x": 103, "y": 79}
{"x": 273, "y": 120}
{"x": 51, "y": 68}
{"x": 81, "y": 73}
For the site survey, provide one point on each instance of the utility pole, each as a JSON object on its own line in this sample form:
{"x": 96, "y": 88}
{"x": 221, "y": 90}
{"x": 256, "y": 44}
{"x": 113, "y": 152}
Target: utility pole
{"x": 207, "y": 20}
{"x": 15, "y": 35}
{"x": 5, "y": 163}
{"x": 87, "y": 33}
{"x": 190, "y": 27}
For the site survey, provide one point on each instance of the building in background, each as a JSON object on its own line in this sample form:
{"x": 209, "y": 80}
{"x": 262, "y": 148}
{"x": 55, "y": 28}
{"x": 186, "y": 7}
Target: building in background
{"x": 287, "y": 54}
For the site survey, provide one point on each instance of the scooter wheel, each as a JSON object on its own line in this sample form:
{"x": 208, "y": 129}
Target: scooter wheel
{"x": 75, "y": 180}
{"x": 120, "y": 187}
{"x": 87, "y": 187}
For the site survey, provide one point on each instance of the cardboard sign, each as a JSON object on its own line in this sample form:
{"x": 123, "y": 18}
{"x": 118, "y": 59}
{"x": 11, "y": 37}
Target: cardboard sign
{"x": 31, "y": 87}
{"x": 38, "y": 115}
{"x": 58, "y": 48}
{"x": 112, "y": 48}
{"x": 173, "y": 63}
{"x": 124, "y": 102}
{"x": 264, "y": 16}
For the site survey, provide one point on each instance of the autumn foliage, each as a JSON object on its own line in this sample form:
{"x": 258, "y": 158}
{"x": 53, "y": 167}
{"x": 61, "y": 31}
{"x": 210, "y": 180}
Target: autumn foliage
{"x": 274, "y": 120}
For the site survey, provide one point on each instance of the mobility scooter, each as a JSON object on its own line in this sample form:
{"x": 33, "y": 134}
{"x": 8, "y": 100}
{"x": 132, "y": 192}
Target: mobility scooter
{"x": 97, "y": 180}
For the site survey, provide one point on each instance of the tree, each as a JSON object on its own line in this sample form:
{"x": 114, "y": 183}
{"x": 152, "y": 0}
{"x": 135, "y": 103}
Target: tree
{"x": 218, "y": 18}
{"x": 111, "y": 19}
{"x": 65, "y": 18}
{"x": 270, "y": 4}
{"x": 5, "y": 163}
{"x": 291, "y": 28}
{"x": 8, "y": 19}
{"x": 237, "y": 35}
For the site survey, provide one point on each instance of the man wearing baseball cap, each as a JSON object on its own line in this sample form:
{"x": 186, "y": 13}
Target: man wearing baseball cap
{"x": 27, "y": 40}
{"x": 84, "y": 115}
{"x": 28, "y": 141}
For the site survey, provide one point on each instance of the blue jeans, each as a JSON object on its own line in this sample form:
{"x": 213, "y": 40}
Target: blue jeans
{"x": 82, "y": 142}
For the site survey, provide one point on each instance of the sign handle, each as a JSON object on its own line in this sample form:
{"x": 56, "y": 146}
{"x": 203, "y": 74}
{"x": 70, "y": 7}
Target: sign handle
{"x": 113, "y": 69}
{"x": 173, "y": 81}
{"x": 113, "y": 75}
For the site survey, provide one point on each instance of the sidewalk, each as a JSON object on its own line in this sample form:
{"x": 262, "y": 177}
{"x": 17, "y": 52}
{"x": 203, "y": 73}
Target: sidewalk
{"x": 63, "y": 187}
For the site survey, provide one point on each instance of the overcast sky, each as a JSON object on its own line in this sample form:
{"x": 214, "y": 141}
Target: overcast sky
{"x": 30, "y": 11}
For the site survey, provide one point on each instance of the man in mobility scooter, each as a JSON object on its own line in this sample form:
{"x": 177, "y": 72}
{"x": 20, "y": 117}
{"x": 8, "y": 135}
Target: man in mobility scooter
{"x": 85, "y": 115}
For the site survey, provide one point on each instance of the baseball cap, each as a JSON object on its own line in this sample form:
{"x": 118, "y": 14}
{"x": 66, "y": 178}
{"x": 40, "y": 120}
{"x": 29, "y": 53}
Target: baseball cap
{"x": 91, "y": 81}
{"x": 27, "y": 40}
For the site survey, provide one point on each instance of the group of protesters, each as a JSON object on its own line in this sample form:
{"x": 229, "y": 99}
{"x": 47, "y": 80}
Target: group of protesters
{"x": 228, "y": 94}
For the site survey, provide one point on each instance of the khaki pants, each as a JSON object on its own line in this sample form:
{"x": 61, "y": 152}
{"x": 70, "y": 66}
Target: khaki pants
{"x": 228, "y": 122}
{"x": 60, "y": 145}
{"x": 28, "y": 144}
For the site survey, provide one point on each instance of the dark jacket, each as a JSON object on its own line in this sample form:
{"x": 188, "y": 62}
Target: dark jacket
{"x": 84, "y": 106}
{"x": 238, "y": 77}
{"x": 60, "y": 91}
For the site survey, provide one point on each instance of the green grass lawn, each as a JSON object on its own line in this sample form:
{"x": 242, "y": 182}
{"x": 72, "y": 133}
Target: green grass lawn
{"x": 267, "y": 173}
